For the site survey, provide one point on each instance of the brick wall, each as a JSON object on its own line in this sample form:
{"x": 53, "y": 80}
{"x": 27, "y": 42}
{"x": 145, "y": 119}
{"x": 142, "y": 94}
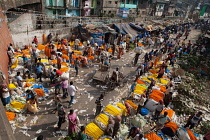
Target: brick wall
{"x": 5, "y": 39}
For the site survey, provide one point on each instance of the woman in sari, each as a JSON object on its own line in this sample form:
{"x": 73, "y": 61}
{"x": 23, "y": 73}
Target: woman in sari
{"x": 72, "y": 117}
{"x": 31, "y": 105}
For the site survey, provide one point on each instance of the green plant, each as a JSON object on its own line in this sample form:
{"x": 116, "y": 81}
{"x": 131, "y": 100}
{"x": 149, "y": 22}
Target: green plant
{"x": 73, "y": 136}
{"x": 112, "y": 15}
{"x": 205, "y": 127}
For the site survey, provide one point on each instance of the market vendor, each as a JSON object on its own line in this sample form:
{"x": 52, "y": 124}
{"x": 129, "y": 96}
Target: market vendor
{"x": 5, "y": 95}
{"x": 32, "y": 105}
{"x": 83, "y": 60}
{"x": 107, "y": 60}
{"x": 116, "y": 75}
{"x": 32, "y": 95}
{"x": 10, "y": 55}
{"x": 19, "y": 79}
{"x": 135, "y": 133}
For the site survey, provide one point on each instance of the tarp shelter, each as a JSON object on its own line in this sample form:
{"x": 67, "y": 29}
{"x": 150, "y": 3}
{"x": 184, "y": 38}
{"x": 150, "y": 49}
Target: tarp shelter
{"x": 96, "y": 35}
{"x": 99, "y": 41}
{"x": 125, "y": 29}
{"x": 110, "y": 37}
{"x": 137, "y": 27}
{"x": 142, "y": 32}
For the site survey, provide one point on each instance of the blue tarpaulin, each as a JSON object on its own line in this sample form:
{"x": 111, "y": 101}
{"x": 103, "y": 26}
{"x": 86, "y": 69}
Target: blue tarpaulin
{"x": 96, "y": 35}
{"x": 137, "y": 28}
{"x": 99, "y": 41}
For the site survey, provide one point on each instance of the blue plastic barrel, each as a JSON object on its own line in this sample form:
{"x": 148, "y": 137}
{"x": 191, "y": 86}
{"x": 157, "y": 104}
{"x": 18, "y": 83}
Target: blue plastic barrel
{"x": 144, "y": 111}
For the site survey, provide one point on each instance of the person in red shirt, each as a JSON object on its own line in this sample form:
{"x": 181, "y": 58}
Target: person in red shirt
{"x": 35, "y": 40}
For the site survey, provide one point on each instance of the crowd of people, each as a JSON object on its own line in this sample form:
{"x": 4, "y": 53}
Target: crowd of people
{"x": 167, "y": 46}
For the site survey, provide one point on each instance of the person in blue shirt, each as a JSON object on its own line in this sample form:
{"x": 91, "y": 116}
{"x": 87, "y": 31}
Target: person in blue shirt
{"x": 39, "y": 71}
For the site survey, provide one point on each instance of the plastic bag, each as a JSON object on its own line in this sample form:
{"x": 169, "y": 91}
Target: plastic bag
{"x": 138, "y": 121}
{"x": 151, "y": 105}
{"x": 182, "y": 134}
{"x": 32, "y": 107}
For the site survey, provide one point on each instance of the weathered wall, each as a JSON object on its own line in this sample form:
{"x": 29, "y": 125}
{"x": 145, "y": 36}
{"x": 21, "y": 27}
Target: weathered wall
{"x": 5, "y": 39}
{"x": 23, "y": 23}
{"x": 25, "y": 38}
{"x": 7, "y": 4}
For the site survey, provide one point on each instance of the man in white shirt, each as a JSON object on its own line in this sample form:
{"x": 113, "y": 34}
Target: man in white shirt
{"x": 19, "y": 79}
{"x": 141, "y": 102}
{"x": 5, "y": 95}
{"x": 76, "y": 43}
{"x": 33, "y": 45}
{"x": 71, "y": 91}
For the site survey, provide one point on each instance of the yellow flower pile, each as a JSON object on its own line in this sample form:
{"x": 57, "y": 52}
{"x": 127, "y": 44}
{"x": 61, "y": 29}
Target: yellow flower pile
{"x": 30, "y": 80}
{"x": 94, "y": 131}
{"x": 17, "y": 105}
{"x": 15, "y": 64}
{"x": 112, "y": 110}
{"x": 140, "y": 87}
{"x": 154, "y": 76}
{"x": 44, "y": 60}
{"x": 163, "y": 81}
{"x": 121, "y": 106}
{"x": 145, "y": 79}
{"x": 103, "y": 118}
{"x": 139, "y": 91}
{"x": 134, "y": 106}
{"x": 78, "y": 52}
{"x": 11, "y": 86}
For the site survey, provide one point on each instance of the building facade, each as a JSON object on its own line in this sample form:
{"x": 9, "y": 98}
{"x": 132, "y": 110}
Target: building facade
{"x": 110, "y": 7}
{"x": 132, "y": 5}
{"x": 72, "y": 7}
{"x": 143, "y": 7}
{"x": 55, "y": 7}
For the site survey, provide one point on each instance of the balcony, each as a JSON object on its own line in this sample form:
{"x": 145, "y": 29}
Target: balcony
{"x": 122, "y": 5}
{"x": 55, "y": 7}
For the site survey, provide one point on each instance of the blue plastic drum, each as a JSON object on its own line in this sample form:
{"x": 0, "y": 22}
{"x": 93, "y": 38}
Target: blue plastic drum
{"x": 144, "y": 111}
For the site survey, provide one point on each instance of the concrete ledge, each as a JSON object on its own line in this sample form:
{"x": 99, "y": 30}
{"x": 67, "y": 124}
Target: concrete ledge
{"x": 5, "y": 127}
